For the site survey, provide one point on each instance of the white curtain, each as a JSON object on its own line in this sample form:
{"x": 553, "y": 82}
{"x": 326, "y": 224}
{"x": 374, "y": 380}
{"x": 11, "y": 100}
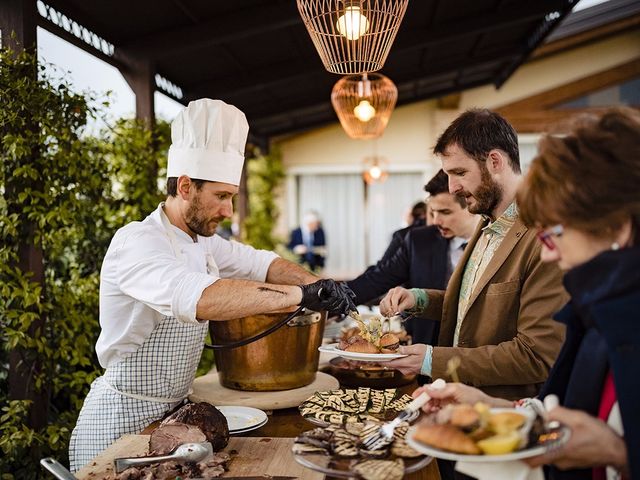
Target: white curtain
{"x": 339, "y": 199}
{"x": 387, "y": 204}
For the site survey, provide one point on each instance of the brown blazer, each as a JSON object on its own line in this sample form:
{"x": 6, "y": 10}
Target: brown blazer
{"x": 508, "y": 340}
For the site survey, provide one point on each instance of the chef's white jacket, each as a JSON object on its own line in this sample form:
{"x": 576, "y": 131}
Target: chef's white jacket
{"x": 142, "y": 280}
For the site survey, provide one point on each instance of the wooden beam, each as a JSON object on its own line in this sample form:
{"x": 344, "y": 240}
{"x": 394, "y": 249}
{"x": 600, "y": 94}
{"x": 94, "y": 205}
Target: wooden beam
{"x": 555, "y": 121}
{"x": 272, "y": 78}
{"x": 223, "y": 29}
{"x": 586, "y": 37}
{"x": 572, "y": 90}
{"x": 275, "y": 17}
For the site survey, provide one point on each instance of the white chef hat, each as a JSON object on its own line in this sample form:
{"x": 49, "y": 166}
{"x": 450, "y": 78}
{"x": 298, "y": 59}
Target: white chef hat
{"x": 208, "y": 139}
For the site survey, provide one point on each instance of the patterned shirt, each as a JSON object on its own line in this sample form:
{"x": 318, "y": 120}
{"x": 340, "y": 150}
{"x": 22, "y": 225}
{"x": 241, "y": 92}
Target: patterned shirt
{"x": 483, "y": 251}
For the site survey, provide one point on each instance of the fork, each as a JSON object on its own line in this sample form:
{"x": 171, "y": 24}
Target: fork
{"x": 384, "y": 435}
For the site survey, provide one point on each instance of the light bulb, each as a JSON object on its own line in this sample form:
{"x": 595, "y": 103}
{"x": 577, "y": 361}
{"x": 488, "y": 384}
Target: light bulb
{"x": 352, "y": 24}
{"x": 375, "y": 172}
{"x": 364, "y": 111}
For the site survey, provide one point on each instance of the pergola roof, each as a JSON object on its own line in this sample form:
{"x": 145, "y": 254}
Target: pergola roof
{"x": 257, "y": 54}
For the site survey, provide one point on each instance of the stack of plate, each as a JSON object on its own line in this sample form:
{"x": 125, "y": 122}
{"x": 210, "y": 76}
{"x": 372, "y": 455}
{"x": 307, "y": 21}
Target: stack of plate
{"x": 243, "y": 419}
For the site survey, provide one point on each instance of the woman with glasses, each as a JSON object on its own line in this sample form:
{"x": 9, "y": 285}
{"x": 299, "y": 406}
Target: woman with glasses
{"x": 582, "y": 192}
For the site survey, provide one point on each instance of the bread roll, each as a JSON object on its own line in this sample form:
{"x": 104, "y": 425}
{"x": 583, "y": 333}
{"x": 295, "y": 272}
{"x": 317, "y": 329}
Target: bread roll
{"x": 446, "y": 437}
{"x": 361, "y": 346}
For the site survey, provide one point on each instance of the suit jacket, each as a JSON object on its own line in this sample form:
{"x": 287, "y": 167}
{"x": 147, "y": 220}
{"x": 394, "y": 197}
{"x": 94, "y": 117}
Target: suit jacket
{"x": 508, "y": 340}
{"x": 420, "y": 261}
{"x": 313, "y": 259}
{"x": 602, "y": 336}
{"x": 397, "y": 239}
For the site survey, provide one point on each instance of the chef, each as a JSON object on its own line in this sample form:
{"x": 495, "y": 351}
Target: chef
{"x": 163, "y": 278}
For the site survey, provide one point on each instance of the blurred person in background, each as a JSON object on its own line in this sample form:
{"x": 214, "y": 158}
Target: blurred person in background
{"x": 308, "y": 242}
{"x": 581, "y": 194}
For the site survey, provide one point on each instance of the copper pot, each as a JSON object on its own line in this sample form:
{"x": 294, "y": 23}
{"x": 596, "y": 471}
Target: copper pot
{"x": 284, "y": 359}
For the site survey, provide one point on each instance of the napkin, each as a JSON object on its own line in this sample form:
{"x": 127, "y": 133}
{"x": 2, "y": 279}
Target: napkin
{"x": 514, "y": 470}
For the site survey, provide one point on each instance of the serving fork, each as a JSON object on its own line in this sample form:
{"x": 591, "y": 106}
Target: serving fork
{"x": 384, "y": 435}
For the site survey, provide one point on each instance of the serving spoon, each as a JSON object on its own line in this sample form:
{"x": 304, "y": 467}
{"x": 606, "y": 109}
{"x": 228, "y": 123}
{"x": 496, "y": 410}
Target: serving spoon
{"x": 189, "y": 452}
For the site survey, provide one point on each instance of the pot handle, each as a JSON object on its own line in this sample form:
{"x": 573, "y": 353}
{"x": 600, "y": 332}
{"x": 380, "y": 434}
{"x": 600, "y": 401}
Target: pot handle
{"x": 246, "y": 341}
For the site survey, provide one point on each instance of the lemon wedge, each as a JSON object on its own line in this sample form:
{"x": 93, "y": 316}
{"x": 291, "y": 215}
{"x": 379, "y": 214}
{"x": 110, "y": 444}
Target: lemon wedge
{"x": 500, "y": 444}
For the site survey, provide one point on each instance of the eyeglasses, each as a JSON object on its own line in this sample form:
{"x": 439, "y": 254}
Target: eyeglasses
{"x": 545, "y": 236}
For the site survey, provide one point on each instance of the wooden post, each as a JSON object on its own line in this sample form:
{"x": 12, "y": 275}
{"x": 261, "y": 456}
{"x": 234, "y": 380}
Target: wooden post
{"x": 18, "y": 27}
{"x": 140, "y": 75}
{"x": 18, "y": 24}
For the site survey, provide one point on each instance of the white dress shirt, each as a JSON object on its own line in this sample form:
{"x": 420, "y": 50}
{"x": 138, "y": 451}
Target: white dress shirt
{"x": 142, "y": 280}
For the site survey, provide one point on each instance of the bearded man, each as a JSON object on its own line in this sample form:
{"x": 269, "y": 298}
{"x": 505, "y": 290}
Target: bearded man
{"x": 496, "y": 313}
{"x": 164, "y": 278}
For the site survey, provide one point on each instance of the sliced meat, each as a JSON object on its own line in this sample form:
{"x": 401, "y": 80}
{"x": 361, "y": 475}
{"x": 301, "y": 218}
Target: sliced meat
{"x": 166, "y": 438}
{"x": 206, "y": 417}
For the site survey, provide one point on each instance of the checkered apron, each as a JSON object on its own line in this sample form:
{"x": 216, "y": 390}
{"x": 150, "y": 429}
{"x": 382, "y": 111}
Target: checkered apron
{"x": 141, "y": 388}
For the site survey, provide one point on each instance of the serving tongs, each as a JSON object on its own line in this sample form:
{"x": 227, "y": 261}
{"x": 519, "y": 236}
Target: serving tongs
{"x": 384, "y": 435}
{"x": 187, "y": 452}
{"x": 544, "y": 431}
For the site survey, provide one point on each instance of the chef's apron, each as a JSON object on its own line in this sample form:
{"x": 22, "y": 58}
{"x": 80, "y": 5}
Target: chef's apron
{"x": 141, "y": 388}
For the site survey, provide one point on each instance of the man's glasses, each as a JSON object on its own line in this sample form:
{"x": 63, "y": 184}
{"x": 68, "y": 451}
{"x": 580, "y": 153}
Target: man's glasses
{"x": 546, "y": 236}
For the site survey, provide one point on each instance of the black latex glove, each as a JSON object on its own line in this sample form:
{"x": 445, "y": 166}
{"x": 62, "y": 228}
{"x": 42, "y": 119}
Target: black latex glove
{"x": 328, "y": 295}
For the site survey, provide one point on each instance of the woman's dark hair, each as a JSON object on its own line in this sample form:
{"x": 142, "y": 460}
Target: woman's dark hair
{"x": 477, "y": 132}
{"x": 172, "y": 185}
{"x": 588, "y": 179}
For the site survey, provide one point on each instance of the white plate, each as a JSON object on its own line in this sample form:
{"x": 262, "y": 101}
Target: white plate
{"x": 243, "y": 419}
{"x": 520, "y": 454}
{"x": 363, "y": 357}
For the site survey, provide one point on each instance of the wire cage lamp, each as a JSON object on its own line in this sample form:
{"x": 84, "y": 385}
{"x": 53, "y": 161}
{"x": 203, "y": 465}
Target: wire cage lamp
{"x": 352, "y": 36}
{"x": 364, "y": 104}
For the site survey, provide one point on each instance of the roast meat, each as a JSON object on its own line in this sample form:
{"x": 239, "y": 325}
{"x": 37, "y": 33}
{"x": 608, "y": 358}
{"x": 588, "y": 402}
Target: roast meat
{"x": 207, "y": 418}
{"x": 166, "y": 438}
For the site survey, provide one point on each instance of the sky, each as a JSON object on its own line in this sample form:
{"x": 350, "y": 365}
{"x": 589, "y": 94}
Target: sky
{"x": 89, "y": 73}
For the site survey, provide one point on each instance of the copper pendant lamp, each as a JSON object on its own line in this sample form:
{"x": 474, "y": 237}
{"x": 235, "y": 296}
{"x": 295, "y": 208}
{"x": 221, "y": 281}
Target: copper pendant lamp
{"x": 352, "y": 36}
{"x": 364, "y": 104}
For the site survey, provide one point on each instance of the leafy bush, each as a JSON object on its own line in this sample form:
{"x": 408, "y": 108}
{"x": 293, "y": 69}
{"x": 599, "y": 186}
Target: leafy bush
{"x": 64, "y": 194}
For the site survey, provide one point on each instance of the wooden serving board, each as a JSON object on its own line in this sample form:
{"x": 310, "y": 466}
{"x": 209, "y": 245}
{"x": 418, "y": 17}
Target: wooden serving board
{"x": 255, "y": 456}
{"x": 207, "y": 388}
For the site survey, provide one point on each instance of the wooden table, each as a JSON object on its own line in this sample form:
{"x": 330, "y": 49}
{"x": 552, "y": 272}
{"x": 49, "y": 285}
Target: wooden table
{"x": 288, "y": 423}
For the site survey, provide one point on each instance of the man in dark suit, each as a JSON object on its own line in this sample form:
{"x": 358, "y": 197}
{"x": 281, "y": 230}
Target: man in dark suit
{"x": 308, "y": 242}
{"x": 426, "y": 256}
{"x": 416, "y": 218}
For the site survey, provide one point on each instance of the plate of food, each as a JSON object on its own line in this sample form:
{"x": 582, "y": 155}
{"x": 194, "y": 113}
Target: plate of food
{"x": 369, "y": 344}
{"x": 362, "y": 356}
{"x": 481, "y": 434}
{"x": 339, "y": 451}
{"x": 356, "y": 405}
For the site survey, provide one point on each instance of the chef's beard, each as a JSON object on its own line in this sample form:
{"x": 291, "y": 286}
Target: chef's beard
{"x": 197, "y": 220}
{"x": 487, "y": 196}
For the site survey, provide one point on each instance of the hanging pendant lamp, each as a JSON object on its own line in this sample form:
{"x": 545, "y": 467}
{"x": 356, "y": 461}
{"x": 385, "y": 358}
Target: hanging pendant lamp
{"x": 352, "y": 36}
{"x": 364, "y": 104}
{"x": 375, "y": 169}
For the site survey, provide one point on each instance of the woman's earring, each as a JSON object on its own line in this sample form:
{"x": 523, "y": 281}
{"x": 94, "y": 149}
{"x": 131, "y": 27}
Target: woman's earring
{"x": 615, "y": 246}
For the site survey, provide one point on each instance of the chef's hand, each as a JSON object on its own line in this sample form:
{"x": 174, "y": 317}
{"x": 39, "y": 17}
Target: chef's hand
{"x": 395, "y": 301}
{"x": 328, "y": 295}
{"x": 412, "y": 363}
{"x": 592, "y": 443}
